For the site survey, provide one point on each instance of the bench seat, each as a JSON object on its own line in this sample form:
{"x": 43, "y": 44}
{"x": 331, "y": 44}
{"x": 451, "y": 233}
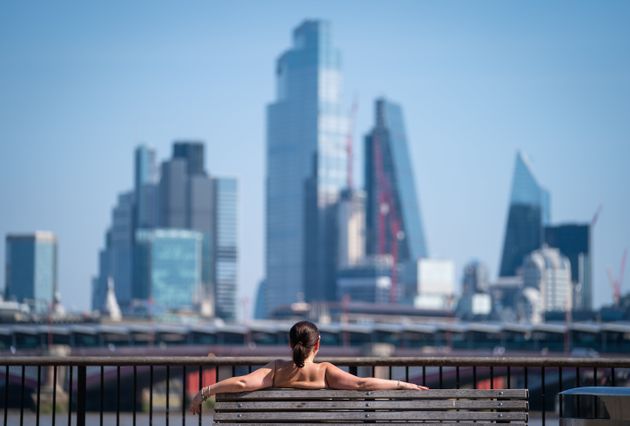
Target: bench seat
{"x": 294, "y": 406}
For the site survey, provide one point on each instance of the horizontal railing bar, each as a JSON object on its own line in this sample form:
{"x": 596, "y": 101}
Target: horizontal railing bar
{"x": 343, "y": 361}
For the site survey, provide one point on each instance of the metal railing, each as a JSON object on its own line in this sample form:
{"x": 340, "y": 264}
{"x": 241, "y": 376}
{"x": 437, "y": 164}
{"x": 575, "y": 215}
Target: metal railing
{"x": 81, "y": 386}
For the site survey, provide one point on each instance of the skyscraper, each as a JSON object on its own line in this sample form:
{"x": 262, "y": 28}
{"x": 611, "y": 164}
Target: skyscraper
{"x": 193, "y": 153}
{"x": 174, "y": 194}
{"x": 224, "y": 249}
{"x": 306, "y": 168}
{"x": 121, "y": 248}
{"x": 183, "y": 197}
{"x": 574, "y": 241}
{"x": 146, "y": 188}
{"x": 529, "y": 212}
{"x": 392, "y": 207}
{"x": 31, "y": 269}
{"x": 186, "y": 199}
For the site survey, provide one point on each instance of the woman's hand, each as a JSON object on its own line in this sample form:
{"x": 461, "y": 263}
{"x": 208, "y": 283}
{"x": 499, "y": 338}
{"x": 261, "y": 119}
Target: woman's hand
{"x": 195, "y": 404}
{"x": 411, "y": 386}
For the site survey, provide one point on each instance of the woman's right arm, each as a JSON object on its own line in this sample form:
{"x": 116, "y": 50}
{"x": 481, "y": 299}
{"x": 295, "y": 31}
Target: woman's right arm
{"x": 258, "y": 379}
{"x": 339, "y": 379}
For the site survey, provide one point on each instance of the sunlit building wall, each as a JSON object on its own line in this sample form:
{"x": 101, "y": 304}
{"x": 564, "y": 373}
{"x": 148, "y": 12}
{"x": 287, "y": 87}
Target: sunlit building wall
{"x": 31, "y": 269}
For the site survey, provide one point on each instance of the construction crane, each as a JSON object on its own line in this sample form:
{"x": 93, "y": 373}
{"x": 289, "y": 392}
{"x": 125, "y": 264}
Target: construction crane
{"x": 387, "y": 216}
{"x": 596, "y": 216}
{"x": 349, "y": 142}
{"x": 616, "y": 283}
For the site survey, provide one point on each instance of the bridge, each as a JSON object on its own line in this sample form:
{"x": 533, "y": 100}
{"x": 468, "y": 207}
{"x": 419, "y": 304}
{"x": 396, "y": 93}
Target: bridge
{"x": 585, "y": 337}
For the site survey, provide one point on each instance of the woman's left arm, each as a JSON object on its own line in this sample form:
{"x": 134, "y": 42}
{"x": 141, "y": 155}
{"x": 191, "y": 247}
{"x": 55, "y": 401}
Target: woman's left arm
{"x": 258, "y": 379}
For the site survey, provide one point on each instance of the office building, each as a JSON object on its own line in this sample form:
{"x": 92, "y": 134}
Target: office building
{"x": 393, "y": 219}
{"x": 306, "y": 168}
{"x": 529, "y": 211}
{"x": 31, "y": 269}
{"x": 193, "y": 153}
{"x": 182, "y": 196}
{"x": 116, "y": 258}
{"x": 146, "y": 178}
{"x": 369, "y": 281}
{"x": 225, "y": 248}
{"x": 169, "y": 265}
{"x": 574, "y": 242}
{"x": 475, "y": 279}
{"x": 549, "y": 272}
{"x": 434, "y": 281}
{"x": 350, "y": 228}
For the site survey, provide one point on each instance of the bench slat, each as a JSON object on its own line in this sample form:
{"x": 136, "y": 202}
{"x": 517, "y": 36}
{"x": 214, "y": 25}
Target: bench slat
{"x": 327, "y": 394}
{"x": 355, "y": 415}
{"x": 489, "y": 404}
{"x": 458, "y": 423}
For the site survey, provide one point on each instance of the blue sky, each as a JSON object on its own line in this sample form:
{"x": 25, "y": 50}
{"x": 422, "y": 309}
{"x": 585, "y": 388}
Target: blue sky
{"x": 81, "y": 84}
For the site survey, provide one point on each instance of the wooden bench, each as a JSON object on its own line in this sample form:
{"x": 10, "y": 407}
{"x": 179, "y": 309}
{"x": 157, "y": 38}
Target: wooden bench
{"x": 293, "y": 406}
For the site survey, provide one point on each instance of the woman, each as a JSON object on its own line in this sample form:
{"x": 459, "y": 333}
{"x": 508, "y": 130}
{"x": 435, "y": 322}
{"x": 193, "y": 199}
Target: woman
{"x": 302, "y": 372}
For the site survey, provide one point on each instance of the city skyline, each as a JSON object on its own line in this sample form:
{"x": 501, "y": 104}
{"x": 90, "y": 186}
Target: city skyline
{"x": 66, "y": 134}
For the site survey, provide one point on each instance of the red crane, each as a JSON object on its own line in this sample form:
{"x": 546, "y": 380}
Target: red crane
{"x": 387, "y": 215}
{"x": 616, "y": 283}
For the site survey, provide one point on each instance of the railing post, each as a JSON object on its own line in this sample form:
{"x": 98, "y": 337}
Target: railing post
{"x": 81, "y": 395}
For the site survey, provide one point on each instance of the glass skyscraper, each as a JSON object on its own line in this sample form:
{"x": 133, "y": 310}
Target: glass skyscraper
{"x": 225, "y": 243}
{"x": 529, "y": 212}
{"x": 306, "y": 168}
{"x": 170, "y": 261}
{"x": 392, "y": 207}
{"x": 31, "y": 269}
{"x": 146, "y": 188}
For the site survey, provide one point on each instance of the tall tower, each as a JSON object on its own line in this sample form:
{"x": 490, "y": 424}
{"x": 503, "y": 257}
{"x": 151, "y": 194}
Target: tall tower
{"x": 31, "y": 269}
{"x": 224, "y": 249}
{"x": 529, "y": 212}
{"x": 306, "y": 160}
{"x": 392, "y": 207}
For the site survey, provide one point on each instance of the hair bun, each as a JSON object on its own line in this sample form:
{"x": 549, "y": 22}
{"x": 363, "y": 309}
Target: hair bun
{"x": 303, "y": 337}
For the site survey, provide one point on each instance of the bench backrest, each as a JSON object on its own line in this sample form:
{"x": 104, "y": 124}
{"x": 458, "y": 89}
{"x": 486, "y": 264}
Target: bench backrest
{"x": 280, "y": 406}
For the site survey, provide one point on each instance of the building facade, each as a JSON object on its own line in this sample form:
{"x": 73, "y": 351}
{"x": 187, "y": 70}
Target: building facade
{"x": 306, "y": 169}
{"x": 548, "y": 271}
{"x": 392, "y": 207}
{"x": 182, "y": 196}
{"x": 225, "y": 247}
{"x": 31, "y": 269}
{"x": 369, "y": 281}
{"x": 574, "y": 242}
{"x": 529, "y": 211}
{"x": 170, "y": 265}
{"x": 350, "y": 228}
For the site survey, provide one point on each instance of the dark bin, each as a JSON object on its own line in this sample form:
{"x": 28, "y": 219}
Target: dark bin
{"x": 593, "y": 406}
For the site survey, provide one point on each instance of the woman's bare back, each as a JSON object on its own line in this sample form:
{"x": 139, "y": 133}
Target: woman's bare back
{"x": 288, "y": 375}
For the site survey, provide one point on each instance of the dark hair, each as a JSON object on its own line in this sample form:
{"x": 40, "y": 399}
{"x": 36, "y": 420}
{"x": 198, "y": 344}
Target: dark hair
{"x": 303, "y": 336}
